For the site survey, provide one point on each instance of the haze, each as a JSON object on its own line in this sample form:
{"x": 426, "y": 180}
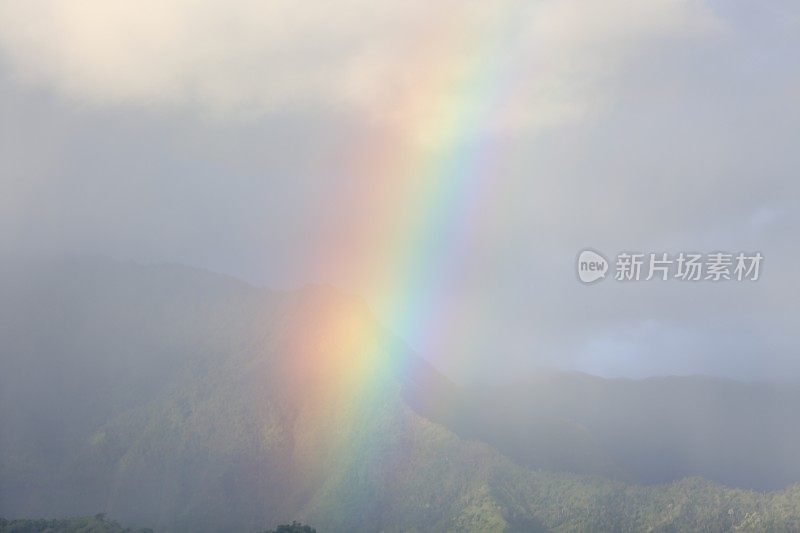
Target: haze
{"x": 238, "y": 138}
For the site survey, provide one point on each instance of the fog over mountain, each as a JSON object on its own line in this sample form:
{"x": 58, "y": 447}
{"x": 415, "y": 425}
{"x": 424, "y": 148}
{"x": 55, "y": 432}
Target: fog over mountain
{"x": 174, "y": 398}
{"x": 266, "y": 262}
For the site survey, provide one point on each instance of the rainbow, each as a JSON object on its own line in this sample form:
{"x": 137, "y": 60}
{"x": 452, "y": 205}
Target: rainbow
{"x": 426, "y": 182}
{"x": 437, "y": 169}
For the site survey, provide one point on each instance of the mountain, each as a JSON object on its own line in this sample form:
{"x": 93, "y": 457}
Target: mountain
{"x": 654, "y": 430}
{"x": 178, "y": 399}
{"x": 182, "y": 400}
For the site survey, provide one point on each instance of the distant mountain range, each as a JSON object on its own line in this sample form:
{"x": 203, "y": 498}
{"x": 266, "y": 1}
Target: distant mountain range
{"x": 649, "y": 431}
{"x": 174, "y": 398}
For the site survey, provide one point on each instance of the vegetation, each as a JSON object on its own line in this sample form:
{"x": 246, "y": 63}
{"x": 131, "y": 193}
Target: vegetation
{"x": 294, "y": 527}
{"x": 650, "y": 431}
{"x": 163, "y": 396}
{"x": 87, "y": 524}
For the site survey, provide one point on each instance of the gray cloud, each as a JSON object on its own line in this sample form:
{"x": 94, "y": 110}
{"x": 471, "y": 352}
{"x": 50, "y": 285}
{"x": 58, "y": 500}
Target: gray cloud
{"x": 660, "y": 128}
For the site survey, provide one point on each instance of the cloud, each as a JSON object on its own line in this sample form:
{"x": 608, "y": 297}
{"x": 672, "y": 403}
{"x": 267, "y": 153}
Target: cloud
{"x": 251, "y": 57}
{"x": 622, "y": 125}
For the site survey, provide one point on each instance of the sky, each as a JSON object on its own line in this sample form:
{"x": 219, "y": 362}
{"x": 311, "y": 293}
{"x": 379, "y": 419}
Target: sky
{"x": 480, "y": 145}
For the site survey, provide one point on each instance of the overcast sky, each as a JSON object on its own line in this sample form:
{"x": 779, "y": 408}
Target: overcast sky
{"x": 241, "y": 136}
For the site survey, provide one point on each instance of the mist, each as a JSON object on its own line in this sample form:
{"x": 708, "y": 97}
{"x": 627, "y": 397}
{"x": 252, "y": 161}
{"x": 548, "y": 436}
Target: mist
{"x": 195, "y": 197}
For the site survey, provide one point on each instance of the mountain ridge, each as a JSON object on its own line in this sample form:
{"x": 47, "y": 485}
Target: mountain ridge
{"x": 184, "y": 401}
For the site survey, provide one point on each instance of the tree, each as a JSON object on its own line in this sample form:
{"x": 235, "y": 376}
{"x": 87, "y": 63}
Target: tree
{"x": 294, "y": 527}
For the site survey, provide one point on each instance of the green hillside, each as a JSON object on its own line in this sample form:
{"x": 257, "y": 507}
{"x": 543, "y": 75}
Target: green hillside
{"x": 648, "y": 431}
{"x": 175, "y": 399}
